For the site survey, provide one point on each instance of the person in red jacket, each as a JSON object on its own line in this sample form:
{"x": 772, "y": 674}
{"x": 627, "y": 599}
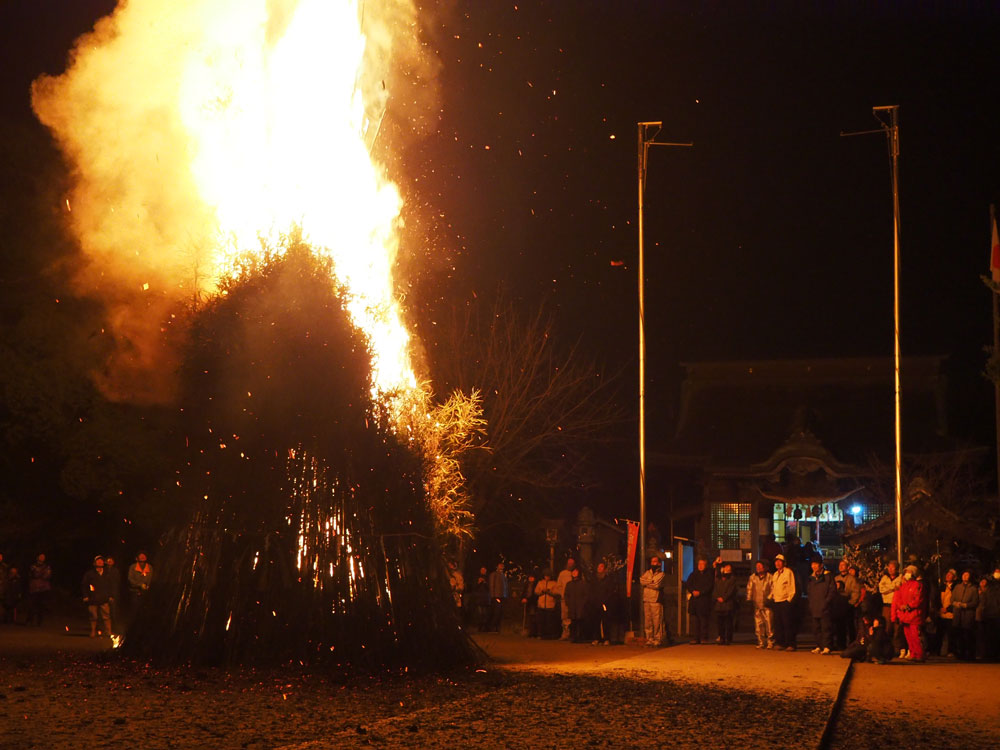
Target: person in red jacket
{"x": 908, "y": 610}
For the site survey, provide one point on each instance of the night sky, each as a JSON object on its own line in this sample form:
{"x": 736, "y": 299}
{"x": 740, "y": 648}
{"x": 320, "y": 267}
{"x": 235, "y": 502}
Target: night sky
{"x": 770, "y": 238}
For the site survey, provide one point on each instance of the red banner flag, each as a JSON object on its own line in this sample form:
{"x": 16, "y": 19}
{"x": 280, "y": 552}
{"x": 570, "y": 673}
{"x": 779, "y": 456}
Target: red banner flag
{"x": 633, "y": 542}
{"x": 994, "y": 249}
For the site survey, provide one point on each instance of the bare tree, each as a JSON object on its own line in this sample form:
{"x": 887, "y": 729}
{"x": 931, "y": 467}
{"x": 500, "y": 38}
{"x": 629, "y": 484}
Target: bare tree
{"x": 955, "y": 483}
{"x": 547, "y": 405}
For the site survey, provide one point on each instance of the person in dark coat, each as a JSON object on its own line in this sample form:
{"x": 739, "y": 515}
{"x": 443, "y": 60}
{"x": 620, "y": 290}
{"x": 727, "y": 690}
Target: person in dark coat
{"x": 499, "y": 590}
{"x": 858, "y": 649}
{"x": 881, "y": 649}
{"x": 481, "y": 599}
{"x": 97, "y": 594}
{"x": 794, "y": 559}
{"x": 843, "y": 617}
{"x": 4, "y": 576}
{"x": 529, "y": 604}
{"x": 771, "y": 549}
{"x": 699, "y": 586}
{"x": 606, "y": 593}
{"x": 725, "y": 593}
{"x": 821, "y": 591}
{"x": 964, "y": 600}
{"x": 12, "y": 595}
{"x": 869, "y": 604}
{"x": 990, "y": 602}
{"x": 39, "y": 590}
{"x": 575, "y": 595}
{"x": 844, "y": 621}
{"x": 115, "y": 582}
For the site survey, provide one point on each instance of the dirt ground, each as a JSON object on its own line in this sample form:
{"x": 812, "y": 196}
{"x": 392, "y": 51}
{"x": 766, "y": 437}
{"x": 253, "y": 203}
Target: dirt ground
{"x": 60, "y": 689}
{"x": 938, "y": 704}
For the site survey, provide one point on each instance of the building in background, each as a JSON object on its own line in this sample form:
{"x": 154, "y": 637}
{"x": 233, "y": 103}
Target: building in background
{"x": 790, "y": 448}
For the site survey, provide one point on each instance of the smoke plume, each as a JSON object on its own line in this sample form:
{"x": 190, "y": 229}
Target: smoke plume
{"x": 169, "y": 180}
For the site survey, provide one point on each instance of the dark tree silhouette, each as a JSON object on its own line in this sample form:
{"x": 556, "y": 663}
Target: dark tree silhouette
{"x": 311, "y": 539}
{"x": 66, "y": 451}
{"x": 548, "y": 406}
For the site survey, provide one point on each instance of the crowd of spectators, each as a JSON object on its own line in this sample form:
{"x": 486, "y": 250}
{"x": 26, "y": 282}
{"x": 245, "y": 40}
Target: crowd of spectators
{"x": 900, "y": 614}
{"x": 26, "y": 597}
{"x": 570, "y": 605}
{"x": 25, "y": 593}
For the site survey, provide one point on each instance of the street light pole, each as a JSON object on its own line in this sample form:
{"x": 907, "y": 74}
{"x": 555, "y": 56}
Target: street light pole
{"x": 891, "y": 130}
{"x": 647, "y": 137}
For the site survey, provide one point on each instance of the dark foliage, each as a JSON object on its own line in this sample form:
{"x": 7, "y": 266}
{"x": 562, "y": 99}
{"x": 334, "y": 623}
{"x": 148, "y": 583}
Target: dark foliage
{"x": 311, "y": 540}
{"x": 66, "y": 451}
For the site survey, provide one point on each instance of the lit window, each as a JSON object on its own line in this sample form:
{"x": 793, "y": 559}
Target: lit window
{"x": 728, "y": 520}
{"x": 779, "y": 521}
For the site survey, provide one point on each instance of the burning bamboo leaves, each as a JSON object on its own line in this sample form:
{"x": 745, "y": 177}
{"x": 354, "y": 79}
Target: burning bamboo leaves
{"x": 313, "y": 538}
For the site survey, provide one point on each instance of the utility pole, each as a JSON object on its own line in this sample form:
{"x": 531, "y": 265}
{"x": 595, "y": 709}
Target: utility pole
{"x": 648, "y": 131}
{"x": 994, "y": 372}
{"x": 891, "y": 129}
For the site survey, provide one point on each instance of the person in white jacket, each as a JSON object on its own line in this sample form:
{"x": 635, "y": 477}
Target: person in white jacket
{"x": 783, "y": 595}
{"x": 652, "y": 601}
{"x": 547, "y": 610}
{"x": 759, "y": 592}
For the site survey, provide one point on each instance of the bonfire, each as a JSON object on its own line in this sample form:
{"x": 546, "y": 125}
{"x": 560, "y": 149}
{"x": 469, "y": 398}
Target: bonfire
{"x": 228, "y": 185}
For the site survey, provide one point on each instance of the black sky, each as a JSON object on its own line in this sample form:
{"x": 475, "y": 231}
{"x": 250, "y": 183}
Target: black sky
{"x": 770, "y": 238}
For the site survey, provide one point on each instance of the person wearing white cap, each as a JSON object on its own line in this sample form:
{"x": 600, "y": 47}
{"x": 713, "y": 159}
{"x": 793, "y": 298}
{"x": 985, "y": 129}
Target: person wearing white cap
{"x": 783, "y": 595}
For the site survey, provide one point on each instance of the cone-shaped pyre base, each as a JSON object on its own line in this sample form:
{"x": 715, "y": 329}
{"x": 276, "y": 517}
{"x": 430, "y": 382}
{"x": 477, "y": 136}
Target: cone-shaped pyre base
{"x": 310, "y": 539}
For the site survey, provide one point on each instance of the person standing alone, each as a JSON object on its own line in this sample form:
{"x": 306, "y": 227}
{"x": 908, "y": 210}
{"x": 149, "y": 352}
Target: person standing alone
{"x": 97, "y": 595}
{"x": 652, "y": 602}
{"x": 499, "y": 591}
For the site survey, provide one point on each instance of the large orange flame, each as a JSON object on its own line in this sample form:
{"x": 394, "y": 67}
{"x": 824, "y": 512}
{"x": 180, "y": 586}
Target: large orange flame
{"x": 199, "y": 128}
